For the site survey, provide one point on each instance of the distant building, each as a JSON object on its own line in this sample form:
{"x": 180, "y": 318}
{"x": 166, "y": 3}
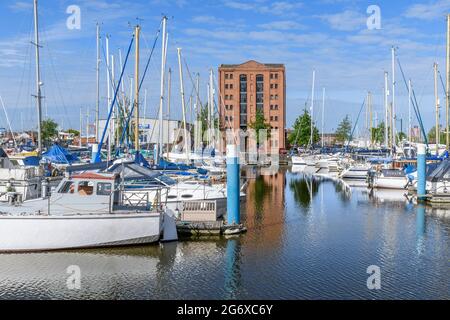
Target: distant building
{"x": 251, "y": 86}
{"x": 329, "y": 139}
{"x": 149, "y": 130}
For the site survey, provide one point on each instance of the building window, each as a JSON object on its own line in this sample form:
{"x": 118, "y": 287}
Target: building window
{"x": 231, "y": 76}
{"x": 271, "y": 76}
{"x": 276, "y": 107}
{"x": 276, "y": 75}
{"x": 271, "y": 118}
{"x": 226, "y": 75}
{"x": 243, "y": 99}
{"x": 276, "y": 118}
{"x": 226, "y": 86}
{"x": 259, "y": 92}
{"x": 231, "y": 86}
{"x": 231, "y": 97}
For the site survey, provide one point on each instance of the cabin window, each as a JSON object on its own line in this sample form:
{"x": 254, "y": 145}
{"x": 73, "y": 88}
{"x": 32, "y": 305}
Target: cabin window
{"x": 68, "y": 187}
{"x": 187, "y": 196}
{"x": 85, "y": 188}
{"x": 103, "y": 189}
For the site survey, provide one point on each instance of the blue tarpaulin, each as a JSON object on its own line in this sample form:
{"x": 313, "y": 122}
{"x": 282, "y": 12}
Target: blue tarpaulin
{"x": 59, "y": 155}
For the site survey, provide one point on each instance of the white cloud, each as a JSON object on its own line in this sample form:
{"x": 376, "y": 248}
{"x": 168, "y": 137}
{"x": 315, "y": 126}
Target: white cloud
{"x": 21, "y": 6}
{"x": 347, "y": 20}
{"x": 283, "y": 25}
{"x": 277, "y": 8}
{"x": 429, "y": 11}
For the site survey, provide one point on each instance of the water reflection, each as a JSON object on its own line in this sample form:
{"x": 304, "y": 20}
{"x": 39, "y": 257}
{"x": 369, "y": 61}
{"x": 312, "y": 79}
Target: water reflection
{"x": 232, "y": 268}
{"x": 286, "y": 253}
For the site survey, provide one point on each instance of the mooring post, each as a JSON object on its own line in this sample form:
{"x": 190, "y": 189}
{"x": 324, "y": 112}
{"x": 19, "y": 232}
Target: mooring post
{"x": 94, "y": 153}
{"x": 421, "y": 172}
{"x": 233, "y": 185}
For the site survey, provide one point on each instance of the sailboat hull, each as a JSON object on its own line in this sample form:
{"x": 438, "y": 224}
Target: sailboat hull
{"x": 46, "y": 233}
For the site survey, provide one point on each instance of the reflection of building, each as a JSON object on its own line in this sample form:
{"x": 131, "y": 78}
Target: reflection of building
{"x": 265, "y": 205}
{"x": 251, "y": 86}
{"x": 149, "y": 130}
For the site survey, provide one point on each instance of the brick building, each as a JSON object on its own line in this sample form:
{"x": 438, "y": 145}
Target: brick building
{"x": 251, "y": 86}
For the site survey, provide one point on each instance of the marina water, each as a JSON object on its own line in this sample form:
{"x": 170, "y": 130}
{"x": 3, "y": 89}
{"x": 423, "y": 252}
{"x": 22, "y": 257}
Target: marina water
{"x": 308, "y": 238}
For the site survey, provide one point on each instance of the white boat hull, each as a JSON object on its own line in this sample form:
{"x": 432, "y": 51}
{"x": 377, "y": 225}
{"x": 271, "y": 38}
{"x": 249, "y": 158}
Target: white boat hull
{"x": 44, "y": 233}
{"x": 391, "y": 183}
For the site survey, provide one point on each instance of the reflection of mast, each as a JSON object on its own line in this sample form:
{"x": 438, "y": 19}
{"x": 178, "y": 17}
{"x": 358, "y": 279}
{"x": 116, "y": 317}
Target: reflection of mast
{"x": 436, "y": 97}
{"x": 232, "y": 268}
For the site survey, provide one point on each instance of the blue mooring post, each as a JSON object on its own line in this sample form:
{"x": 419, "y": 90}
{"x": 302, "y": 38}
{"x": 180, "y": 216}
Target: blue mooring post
{"x": 233, "y": 185}
{"x": 94, "y": 153}
{"x": 421, "y": 172}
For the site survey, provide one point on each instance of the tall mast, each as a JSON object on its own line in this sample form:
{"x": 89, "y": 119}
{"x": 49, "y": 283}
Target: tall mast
{"x": 112, "y": 127}
{"x": 370, "y": 115}
{"x": 323, "y": 114}
{"x": 393, "y": 97}
{"x": 197, "y": 108}
{"x": 81, "y": 126}
{"x": 38, "y": 77}
{"x": 136, "y": 90}
{"x": 447, "y": 94}
{"x": 108, "y": 87}
{"x": 169, "y": 85}
{"x": 97, "y": 102}
{"x": 211, "y": 108}
{"x": 436, "y": 98}
{"x": 386, "y": 111}
{"x": 183, "y": 106}
{"x": 409, "y": 111}
{"x": 161, "y": 99}
{"x": 312, "y": 109}
{"x": 87, "y": 127}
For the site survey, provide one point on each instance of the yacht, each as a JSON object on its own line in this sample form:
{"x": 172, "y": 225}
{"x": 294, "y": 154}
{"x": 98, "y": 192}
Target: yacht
{"x": 356, "y": 172}
{"x": 86, "y": 210}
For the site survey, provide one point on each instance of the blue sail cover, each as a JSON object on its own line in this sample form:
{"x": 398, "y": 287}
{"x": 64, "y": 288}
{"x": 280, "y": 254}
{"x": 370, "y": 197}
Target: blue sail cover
{"x": 59, "y": 155}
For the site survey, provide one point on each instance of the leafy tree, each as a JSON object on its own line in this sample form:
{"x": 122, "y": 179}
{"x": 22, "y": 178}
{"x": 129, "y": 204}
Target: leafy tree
{"x": 378, "y": 133}
{"x": 49, "y": 130}
{"x": 259, "y": 124}
{"x": 344, "y": 130}
{"x": 432, "y": 135}
{"x": 301, "y": 135}
{"x": 401, "y": 136}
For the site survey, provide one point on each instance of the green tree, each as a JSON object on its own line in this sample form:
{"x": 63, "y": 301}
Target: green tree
{"x": 344, "y": 130}
{"x": 259, "y": 124}
{"x": 378, "y": 133}
{"x": 432, "y": 135}
{"x": 74, "y": 132}
{"x": 49, "y": 130}
{"x": 301, "y": 134}
{"x": 401, "y": 136}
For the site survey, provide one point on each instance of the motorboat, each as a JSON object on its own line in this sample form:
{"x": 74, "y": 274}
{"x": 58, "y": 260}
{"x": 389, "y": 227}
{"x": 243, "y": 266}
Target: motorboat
{"x": 86, "y": 210}
{"x": 356, "y": 172}
{"x": 137, "y": 177}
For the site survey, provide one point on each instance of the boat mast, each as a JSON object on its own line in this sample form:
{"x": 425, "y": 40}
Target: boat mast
{"x": 108, "y": 86}
{"x": 169, "y": 85}
{"x": 136, "y": 90}
{"x": 38, "y": 77}
{"x": 97, "y": 102}
{"x": 81, "y": 126}
{"x": 386, "y": 107}
{"x": 87, "y": 127}
{"x": 161, "y": 98}
{"x": 183, "y": 106}
{"x": 409, "y": 111}
{"x": 436, "y": 98}
{"x": 393, "y": 98}
{"x": 211, "y": 109}
{"x": 312, "y": 109}
{"x": 447, "y": 95}
{"x": 323, "y": 115}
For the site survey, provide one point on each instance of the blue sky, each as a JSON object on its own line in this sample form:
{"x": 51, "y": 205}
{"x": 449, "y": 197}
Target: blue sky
{"x": 329, "y": 36}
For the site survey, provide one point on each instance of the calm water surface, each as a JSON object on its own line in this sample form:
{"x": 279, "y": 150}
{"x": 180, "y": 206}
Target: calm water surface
{"x": 308, "y": 238}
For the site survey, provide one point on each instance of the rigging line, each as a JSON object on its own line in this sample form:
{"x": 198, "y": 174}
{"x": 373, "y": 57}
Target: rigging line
{"x": 414, "y": 103}
{"x": 26, "y": 56}
{"x": 442, "y": 82}
{"x": 7, "y": 120}
{"x": 98, "y": 158}
{"x": 356, "y": 122}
